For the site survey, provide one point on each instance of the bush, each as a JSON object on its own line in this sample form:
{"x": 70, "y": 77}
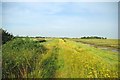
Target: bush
{"x": 5, "y": 36}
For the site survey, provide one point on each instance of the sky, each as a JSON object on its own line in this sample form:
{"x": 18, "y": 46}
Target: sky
{"x": 59, "y": 0}
{"x": 61, "y": 19}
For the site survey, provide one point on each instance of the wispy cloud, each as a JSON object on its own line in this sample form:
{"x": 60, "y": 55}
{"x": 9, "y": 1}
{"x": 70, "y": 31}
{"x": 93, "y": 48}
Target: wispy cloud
{"x": 61, "y": 19}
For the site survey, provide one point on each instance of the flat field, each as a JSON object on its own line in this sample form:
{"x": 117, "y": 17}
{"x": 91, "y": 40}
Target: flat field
{"x": 59, "y": 58}
{"x": 111, "y": 43}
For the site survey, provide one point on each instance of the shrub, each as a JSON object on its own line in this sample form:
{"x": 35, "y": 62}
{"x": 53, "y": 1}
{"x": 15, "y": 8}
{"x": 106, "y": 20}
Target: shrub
{"x": 5, "y": 36}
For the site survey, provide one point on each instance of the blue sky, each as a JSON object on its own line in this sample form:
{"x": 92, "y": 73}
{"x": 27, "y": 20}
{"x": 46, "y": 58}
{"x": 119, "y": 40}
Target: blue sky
{"x": 59, "y": 0}
{"x": 61, "y": 19}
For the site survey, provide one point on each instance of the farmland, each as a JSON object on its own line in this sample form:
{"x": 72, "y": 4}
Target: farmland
{"x": 58, "y": 58}
{"x": 113, "y": 43}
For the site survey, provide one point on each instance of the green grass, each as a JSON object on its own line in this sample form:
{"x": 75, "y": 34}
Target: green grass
{"x": 0, "y": 62}
{"x": 113, "y": 43}
{"x": 82, "y": 61}
{"x": 57, "y": 58}
{"x": 20, "y": 57}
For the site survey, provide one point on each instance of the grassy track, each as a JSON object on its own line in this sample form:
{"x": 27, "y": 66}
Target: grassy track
{"x": 68, "y": 59}
{"x": 72, "y": 60}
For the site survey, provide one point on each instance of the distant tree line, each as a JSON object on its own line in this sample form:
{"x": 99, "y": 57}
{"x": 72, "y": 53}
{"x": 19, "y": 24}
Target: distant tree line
{"x": 93, "y": 37}
{"x": 5, "y": 36}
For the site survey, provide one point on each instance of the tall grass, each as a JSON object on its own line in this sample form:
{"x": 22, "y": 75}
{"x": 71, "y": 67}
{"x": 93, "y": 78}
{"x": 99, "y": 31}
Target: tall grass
{"x": 20, "y": 57}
